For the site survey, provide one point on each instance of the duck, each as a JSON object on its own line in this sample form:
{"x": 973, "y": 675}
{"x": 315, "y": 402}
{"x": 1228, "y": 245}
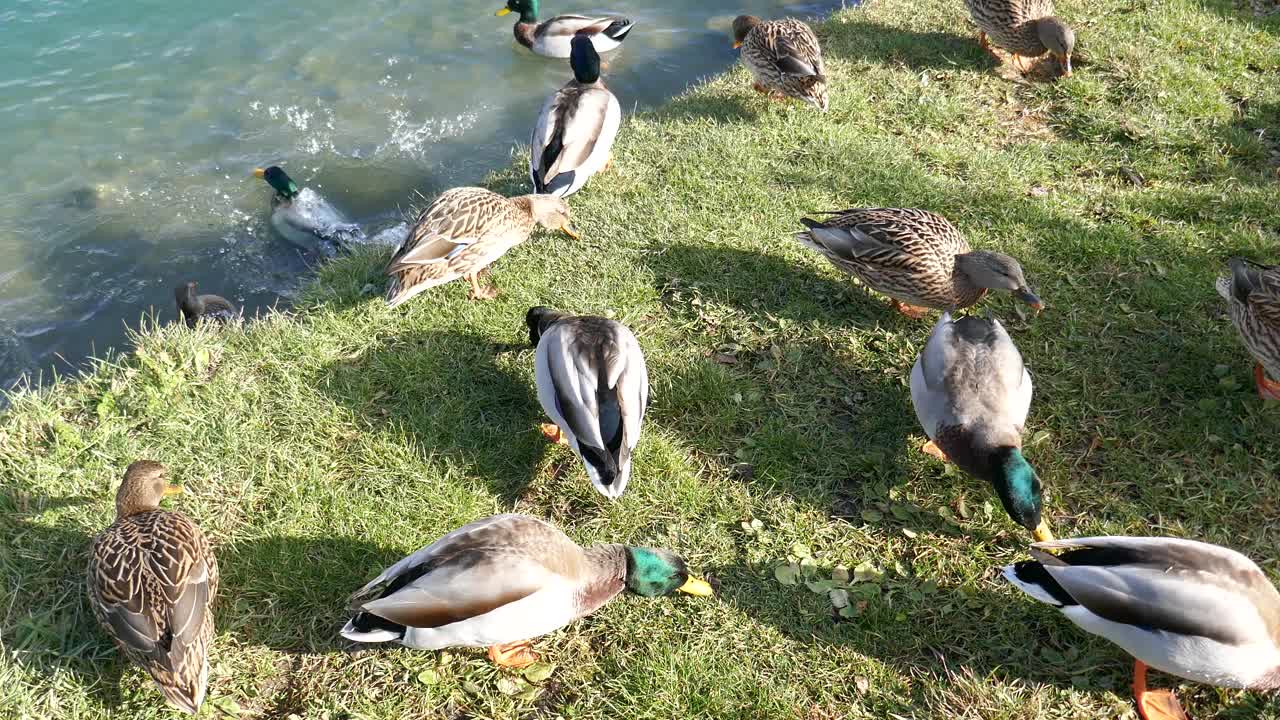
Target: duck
{"x": 784, "y": 58}
{"x": 462, "y": 232}
{"x": 193, "y": 308}
{"x": 152, "y": 581}
{"x": 971, "y": 393}
{"x": 1024, "y": 28}
{"x": 593, "y": 384}
{"x": 306, "y": 219}
{"x": 552, "y": 38}
{"x": 1252, "y": 292}
{"x": 1192, "y": 609}
{"x": 574, "y": 135}
{"x": 916, "y": 257}
{"x": 502, "y": 581}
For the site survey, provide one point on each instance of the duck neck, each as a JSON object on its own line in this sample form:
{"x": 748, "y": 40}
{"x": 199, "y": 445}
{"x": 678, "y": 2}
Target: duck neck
{"x": 606, "y": 574}
{"x": 524, "y": 30}
{"x": 189, "y": 302}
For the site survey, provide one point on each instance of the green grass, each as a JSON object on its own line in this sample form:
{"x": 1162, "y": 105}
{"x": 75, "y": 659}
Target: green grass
{"x": 320, "y": 446}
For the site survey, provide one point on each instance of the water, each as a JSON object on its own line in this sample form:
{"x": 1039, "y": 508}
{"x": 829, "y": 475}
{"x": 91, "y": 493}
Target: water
{"x": 130, "y": 129}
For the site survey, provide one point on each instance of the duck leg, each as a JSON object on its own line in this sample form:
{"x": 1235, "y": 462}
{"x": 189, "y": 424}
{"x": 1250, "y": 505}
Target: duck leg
{"x": 983, "y": 41}
{"x": 552, "y": 433}
{"x": 1154, "y": 704}
{"x": 478, "y": 292}
{"x": 912, "y": 311}
{"x": 933, "y": 450}
{"x": 608, "y": 163}
{"x": 759, "y": 88}
{"x": 1268, "y": 389}
{"x": 513, "y": 655}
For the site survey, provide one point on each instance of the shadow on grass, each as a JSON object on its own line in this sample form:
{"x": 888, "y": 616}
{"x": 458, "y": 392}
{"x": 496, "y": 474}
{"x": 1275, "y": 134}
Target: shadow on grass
{"x": 862, "y": 40}
{"x": 723, "y": 109}
{"x": 447, "y": 391}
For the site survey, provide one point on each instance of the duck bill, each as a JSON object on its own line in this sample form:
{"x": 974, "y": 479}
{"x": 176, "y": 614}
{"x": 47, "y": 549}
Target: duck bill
{"x": 1042, "y": 533}
{"x": 697, "y": 586}
{"x": 567, "y": 229}
{"x": 503, "y": 11}
{"x": 736, "y": 45}
{"x": 259, "y": 173}
{"x": 1030, "y": 298}
{"x": 1065, "y": 61}
{"x": 171, "y": 490}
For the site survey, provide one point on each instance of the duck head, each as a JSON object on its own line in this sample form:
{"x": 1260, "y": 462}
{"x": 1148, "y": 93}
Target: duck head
{"x": 996, "y": 271}
{"x": 1059, "y": 39}
{"x": 279, "y": 181}
{"x": 584, "y": 59}
{"x": 551, "y": 213}
{"x": 539, "y": 318}
{"x": 741, "y": 26}
{"x": 144, "y": 485}
{"x": 528, "y": 10}
{"x": 1018, "y": 487}
{"x": 652, "y": 572}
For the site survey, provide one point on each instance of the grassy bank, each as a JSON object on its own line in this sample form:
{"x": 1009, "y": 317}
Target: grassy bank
{"x": 319, "y": 447}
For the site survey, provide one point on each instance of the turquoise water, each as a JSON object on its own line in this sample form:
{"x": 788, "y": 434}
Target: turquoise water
{"x": 130, "y": 129}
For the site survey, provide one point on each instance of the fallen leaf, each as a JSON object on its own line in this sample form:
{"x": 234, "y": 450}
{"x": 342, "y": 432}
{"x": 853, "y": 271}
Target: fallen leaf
{"x": 801, "y": 550}
{"x": 866, "y": 572}
{"x": 508, "y": 685}
{"x": 910, "y": 533}
{"x": 725, "y": 358}
{"x": 428, "y": 677}
{"x": 840, "y": 575}
{"x": 819, "y": 587}
{"x": 538, "y": 672}
{"x": 787, "y": 574}
{"x": 839, "y": 598}
{"x": 1038, "y": 191}
{"x": 872, "y": 516}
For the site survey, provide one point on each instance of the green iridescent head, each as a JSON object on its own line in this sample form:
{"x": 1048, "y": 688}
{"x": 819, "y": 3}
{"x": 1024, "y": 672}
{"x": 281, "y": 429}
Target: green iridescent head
{"x": 652, "y": 572}
{"x": 528, "y": 10}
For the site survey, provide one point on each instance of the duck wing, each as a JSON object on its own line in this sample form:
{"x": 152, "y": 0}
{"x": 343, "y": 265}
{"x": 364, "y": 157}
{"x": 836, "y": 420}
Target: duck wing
{"x": 457, "y": 219}
{"x": 569, "y": 130}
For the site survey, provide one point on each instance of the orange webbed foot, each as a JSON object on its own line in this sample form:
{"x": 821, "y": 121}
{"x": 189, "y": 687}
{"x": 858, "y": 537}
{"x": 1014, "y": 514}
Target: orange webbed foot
{"x": 1268, "y": 389}
{"x": 552, "y": 433}
{"x": 1154, "y": 704}
{"x": 912, "y": 311}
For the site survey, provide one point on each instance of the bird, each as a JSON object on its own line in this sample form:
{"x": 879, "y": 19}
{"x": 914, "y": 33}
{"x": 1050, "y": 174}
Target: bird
{"x": 1191, "y": 609}
{"x": 462, "y": 232}
{"x": 552, "y": 38}
{"x": 916, "y": 257}
{"x": 574, "y": 135}
{"x": 593, "y": 384}
{"x": 306, "y": 219}
{"x": 971, "y": 394}
{"x": 501, "y": 581}
{"x": 193, "y": 308}
{"x": 152, "y": 581}
{"x": 784, "y": 58}
{"x": 1024, "y": 28}
{"x": 1253, "y": 293}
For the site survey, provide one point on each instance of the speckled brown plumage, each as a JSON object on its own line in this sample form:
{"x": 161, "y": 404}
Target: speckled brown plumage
{"x": 784, "y": 57}
{"x": 462, "y": 232}
{"x": 152, "y": 580}
{"x": 1253, "y": 292}
{"x": 914, "y": 256}
{"x": 1026, "y": 28}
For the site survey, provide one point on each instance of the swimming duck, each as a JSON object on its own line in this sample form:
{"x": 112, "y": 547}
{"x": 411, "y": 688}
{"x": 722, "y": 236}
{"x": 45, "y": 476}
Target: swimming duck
{"x": 1024, "y": 28}
{"x": 502, "y": 581}
{"x": 1190, "y": 609}
{"x": 1253, "y": 292}
{"x": 575, "y": 130}
{"x": 915, "y": 257}
{"x": 462, "y": 232}
{"x": 152, "y": 581}
{"x": 305, "y": 219}
{"x": 593, "y": 384}
{"x": 971, "y": 394}
{"x": 192, "y": 307}
{"x": 552, "y": 38}
{"x": 784, "y": 58}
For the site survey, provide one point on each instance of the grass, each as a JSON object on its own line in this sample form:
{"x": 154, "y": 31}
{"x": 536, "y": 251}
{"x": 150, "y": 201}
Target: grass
{"x": 322, "y": 445}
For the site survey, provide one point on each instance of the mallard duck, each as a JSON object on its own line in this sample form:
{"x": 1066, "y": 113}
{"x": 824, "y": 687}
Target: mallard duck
{"x": 193, "y": 308}
{"x": 152, "y": 581}
{"x": 1024, "y": 28}
{"x": 305, "y": 219}
{"x": 915, "y": 257}
{"x": 576, "y": 128}
{"x": 593, "y": 384}
{"x": 502, "y": 581}
{"x": 784, "y": 58}
{"x": 462, "y": 232}
{"x": 1253, "y": 292}
{"x": 971, "y": 394}
{"x": 551, "y": 38}
{"x": 1190, "y": 609}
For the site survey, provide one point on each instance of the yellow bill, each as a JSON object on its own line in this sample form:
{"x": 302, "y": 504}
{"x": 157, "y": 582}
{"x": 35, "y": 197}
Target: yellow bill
{"x": 737, "y": 45}
{"x": 171, "y": 490}
{"x": 259, "y": 173}
{"x": 568, "y": 230}
{"x": 697, "y": 586}
{"x": 1042, "y": 533}
{"x": 502, "y": 12}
